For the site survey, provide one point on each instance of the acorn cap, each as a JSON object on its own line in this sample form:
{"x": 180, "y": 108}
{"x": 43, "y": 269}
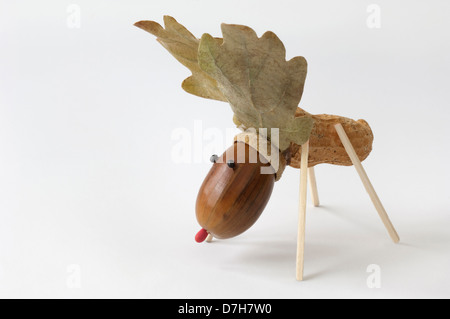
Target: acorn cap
{"x": 271, "y": 153}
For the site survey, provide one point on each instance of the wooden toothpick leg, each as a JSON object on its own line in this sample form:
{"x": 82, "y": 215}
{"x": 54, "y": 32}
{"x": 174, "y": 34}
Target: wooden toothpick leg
{"x": 302, "y": 211}
{"x": 365, "y": 179}
{"x": 313, "y": 186}
{"x": 209, "y": 238}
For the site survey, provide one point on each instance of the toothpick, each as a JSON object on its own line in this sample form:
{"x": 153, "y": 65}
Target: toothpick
{"x": 366, "y": 182}
{"x": 313, "y": 186}
{"x": 302, "y": 211}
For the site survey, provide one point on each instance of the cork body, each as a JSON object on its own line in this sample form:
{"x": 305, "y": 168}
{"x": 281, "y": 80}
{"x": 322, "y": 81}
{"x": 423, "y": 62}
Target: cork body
{"x": 231, "y": 199}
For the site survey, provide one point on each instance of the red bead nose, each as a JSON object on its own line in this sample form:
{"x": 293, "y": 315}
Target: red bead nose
{"x": 201, "y": 235}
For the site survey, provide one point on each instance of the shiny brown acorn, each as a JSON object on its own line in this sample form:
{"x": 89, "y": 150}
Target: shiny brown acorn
{"x": 234, "y": 193}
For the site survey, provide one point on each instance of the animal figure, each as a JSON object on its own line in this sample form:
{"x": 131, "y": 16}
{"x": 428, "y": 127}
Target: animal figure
{"x": 263, "y": 89}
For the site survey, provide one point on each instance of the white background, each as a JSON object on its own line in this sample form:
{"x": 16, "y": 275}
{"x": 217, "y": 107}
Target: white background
{"x": 92, "y": 203}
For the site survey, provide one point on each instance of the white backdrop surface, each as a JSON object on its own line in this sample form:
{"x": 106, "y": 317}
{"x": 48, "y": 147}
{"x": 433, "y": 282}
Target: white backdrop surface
{"x": 94, "y": 205}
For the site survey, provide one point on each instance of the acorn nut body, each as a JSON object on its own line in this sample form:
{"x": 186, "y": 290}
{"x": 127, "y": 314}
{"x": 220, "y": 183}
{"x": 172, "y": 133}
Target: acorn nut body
{"x": 234, "y": 193}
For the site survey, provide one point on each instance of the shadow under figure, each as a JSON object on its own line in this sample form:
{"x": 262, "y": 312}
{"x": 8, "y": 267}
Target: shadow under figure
{"x": 263, "y": 89}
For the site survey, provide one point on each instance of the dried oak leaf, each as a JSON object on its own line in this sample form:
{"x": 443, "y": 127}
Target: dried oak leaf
{"x": 183, "y": 45}
{"x": 250, "y": 73}
{"x": 262, "y": 87}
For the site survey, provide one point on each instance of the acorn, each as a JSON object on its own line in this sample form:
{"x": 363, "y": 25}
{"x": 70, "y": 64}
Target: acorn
{"x": 234, "y": 193}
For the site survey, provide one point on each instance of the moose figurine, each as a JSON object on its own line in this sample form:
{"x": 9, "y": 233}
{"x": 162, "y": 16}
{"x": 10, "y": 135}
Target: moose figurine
{"x": 263, "y": 89}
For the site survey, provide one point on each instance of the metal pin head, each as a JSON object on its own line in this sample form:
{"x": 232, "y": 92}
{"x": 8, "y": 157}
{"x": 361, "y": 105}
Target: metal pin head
{"x": 213, "y": 158}
{"x": 231, "y": 163}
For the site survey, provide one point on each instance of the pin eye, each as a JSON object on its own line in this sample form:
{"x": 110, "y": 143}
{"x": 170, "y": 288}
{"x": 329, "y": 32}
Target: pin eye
{"x": 213, "y": 158}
